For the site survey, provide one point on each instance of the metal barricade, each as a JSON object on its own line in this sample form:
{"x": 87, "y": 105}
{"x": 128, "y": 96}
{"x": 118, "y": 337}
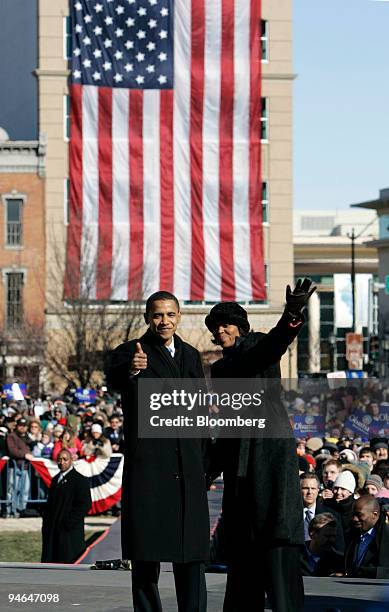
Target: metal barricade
{"x": 20, "y": 487}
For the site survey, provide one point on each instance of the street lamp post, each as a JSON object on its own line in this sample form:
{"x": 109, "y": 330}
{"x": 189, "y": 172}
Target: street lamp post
{"x": 332, "y": 342}
{"x": 352, "y": 237}
{"x": 385, "y": 350}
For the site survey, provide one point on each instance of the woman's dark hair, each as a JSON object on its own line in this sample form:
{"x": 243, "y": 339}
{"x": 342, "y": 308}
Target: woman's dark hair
{"x": 381, "y": 467}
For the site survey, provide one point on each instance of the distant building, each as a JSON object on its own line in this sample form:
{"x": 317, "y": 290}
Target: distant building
{"x": 381, "y": 207}
{"x": 22, "y": 196}
{"x": 22, "y": 258}
{"x": 322, "y": 249}
{"x": 276, "y": 202}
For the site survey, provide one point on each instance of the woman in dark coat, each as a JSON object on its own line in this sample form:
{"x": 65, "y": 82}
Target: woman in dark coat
{"x": 262, "y": 506}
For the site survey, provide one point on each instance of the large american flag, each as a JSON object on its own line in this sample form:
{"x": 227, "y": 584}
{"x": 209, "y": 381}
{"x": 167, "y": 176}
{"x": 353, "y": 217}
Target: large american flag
{"x": 165, "y": 181}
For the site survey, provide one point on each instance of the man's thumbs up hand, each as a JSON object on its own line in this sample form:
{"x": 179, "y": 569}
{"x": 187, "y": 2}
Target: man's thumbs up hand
{"x": 139, "y": 361}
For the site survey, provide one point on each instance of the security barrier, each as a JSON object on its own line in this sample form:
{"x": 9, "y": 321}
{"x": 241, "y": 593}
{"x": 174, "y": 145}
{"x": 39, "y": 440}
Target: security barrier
{"x": 28, "y": 484}
{"x": 20, "y": 485}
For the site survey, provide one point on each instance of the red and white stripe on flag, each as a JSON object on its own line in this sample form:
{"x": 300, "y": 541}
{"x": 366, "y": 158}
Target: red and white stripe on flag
{"x": 165, "y": 185}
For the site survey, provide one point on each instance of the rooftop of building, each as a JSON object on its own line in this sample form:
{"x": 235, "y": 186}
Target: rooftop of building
{"x": 334, "y": 226}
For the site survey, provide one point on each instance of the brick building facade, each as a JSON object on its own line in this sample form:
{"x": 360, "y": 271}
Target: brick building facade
{"x": 22, "y": 258}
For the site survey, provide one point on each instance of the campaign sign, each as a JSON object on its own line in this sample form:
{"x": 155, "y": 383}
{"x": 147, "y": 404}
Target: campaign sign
{"x": 308, "y": 425}
{"x": 86, "y": 395}
{"x": 380, "y": 424}
{"x": 15, "y": 391}
{"x": 355, "y": 374}
{"x": 359, "y": 422}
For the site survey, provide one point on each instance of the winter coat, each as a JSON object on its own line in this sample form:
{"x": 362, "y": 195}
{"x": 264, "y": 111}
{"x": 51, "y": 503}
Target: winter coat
{"x": 100, "y": 448}
{"x": 262, "y": 499}
{"x": 357, "y": 472}
{"x": 339, "y": 540}
{"x": 63, "y": 539}
{"x": 375, "y": 563}
{"x": 330, "y": 562}
{"x": 164, "y": 501}
{"x": 18, "y": 447}
{"x": 344, "y": 508}
{"x": 115, "y": 437}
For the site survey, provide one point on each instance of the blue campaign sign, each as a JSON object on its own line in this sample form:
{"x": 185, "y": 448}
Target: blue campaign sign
{"x": 380, "y": 423}
{"x": 359, "y": 422}
{"x": 86, "y": 395}
{"x": 308, "y": 425}
{"x": 355, "y": 374}
{"x": 15, "y": 391}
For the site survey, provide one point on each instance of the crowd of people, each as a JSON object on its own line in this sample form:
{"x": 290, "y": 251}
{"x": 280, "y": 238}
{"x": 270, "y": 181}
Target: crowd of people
{"x": 345, "y": 494}
{"x": 368, "y": 397}
{"x": 333, "y": 520}
{"x": 42, "y": 428}
{"x": 344, "y": 478}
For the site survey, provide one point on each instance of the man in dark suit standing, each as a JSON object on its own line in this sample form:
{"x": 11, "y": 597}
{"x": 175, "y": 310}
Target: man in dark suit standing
{"x": 69, "y": 500}
{"x": 164, "y": 500}
{"x": 312, "y": 506}
{"x": 367, "y": 555}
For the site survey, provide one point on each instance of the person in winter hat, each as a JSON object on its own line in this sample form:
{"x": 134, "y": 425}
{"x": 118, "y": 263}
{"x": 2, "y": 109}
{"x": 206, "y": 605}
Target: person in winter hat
{"x": 347, "y": 456}
{"x": 344, "y": 485}
{"x": 262, "y": 506}
{"x": 374, "y": 484}
{"x": 343, "y": 499}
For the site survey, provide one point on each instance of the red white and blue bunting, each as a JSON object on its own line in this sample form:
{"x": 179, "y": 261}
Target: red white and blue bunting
{"x": 105, "y": 478}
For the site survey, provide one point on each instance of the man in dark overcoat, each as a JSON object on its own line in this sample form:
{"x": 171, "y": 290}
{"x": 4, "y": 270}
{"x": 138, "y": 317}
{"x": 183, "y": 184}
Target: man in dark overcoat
{"x": 164, "y": 500}
{"x": 69, "y": 501}
{"x": 262, "y": 506}
{"x": 367, "y": 555}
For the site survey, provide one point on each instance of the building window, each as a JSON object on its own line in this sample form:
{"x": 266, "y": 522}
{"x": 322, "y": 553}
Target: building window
{"x": 265, "y": 203}
{"x": 67, "y": 38}
{"x": 14, "y": 297}
{"x": 66, "y": 117}
{"x": 264, "y": 120}
{"x": 264, "y": 40}
{"x": 14, "y": 222}
{"x": 266, "y": 275}
{"x": 66, "y": 200}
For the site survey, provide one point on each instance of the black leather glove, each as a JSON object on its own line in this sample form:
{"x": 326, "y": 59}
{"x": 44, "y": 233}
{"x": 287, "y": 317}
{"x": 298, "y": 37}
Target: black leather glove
{"x": 297, "y": 299}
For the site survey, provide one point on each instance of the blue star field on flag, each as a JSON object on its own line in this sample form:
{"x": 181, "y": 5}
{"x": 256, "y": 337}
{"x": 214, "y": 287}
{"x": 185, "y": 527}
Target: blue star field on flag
{"x": 123, "y": 43}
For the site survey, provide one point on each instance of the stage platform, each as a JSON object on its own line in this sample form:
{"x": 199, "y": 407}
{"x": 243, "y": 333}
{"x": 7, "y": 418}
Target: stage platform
{"x": 79, "y": 587}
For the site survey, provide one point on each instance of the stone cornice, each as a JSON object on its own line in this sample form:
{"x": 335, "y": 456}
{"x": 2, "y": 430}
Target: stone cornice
{"x": 51, "y": 73}
{"x": 273, "y": 76}
{"x": 23, "y": 156}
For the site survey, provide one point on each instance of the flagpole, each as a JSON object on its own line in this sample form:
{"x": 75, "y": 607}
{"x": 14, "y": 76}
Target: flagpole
{"x": 352, "y": 237}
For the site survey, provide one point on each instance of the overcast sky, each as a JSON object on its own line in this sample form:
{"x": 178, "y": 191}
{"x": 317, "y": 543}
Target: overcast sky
{"x": 341, "y": 102}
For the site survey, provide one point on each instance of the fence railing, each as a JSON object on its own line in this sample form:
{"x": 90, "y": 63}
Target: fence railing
{"x": 20, "y": 485}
